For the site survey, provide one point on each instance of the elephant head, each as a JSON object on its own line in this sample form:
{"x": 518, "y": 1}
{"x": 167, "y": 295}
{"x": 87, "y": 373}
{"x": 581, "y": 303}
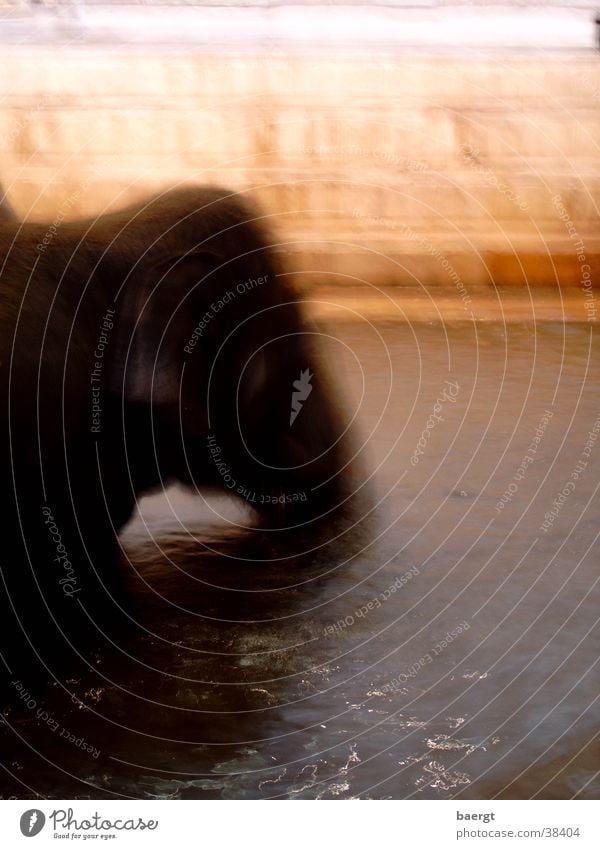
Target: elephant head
{"x": 179, "y": 313}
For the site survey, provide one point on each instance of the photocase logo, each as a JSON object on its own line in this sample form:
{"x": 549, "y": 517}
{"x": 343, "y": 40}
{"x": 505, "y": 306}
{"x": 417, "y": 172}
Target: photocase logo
{"x": 32, "y": 822}
{"x": 303, "y": 389}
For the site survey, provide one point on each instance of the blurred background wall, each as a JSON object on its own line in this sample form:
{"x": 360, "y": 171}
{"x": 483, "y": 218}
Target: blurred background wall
{"x": 391, "y": 143}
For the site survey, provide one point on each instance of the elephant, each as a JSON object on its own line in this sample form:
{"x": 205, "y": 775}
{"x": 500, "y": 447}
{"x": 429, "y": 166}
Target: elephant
{"x": 162, "y": 342}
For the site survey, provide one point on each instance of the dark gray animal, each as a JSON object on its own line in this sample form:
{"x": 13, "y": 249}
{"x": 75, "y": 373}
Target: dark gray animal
{"x": 160, "y": 343}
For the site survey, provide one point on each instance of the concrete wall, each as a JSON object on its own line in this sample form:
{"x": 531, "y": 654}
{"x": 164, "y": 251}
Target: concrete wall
{"x": 390, "y": 168}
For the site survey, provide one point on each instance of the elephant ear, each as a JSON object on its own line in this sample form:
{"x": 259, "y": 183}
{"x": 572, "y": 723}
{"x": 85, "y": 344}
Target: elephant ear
{"x": 155, "y": 317}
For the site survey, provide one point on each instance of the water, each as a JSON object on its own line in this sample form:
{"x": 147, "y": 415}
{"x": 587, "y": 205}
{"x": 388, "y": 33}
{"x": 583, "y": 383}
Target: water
{"x": 454, "y": 655}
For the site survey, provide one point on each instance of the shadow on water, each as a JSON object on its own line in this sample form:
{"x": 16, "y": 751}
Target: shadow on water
{"x": 221, "y": 637}
{"x": 449, "y": 649}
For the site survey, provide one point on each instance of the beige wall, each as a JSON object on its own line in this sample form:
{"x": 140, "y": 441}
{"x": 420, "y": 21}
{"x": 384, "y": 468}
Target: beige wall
{"x": 387, "y": 169}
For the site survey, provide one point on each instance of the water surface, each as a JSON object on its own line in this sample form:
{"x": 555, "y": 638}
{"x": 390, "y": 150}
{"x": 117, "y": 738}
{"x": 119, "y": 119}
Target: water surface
{"x": 455, "y": 654}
